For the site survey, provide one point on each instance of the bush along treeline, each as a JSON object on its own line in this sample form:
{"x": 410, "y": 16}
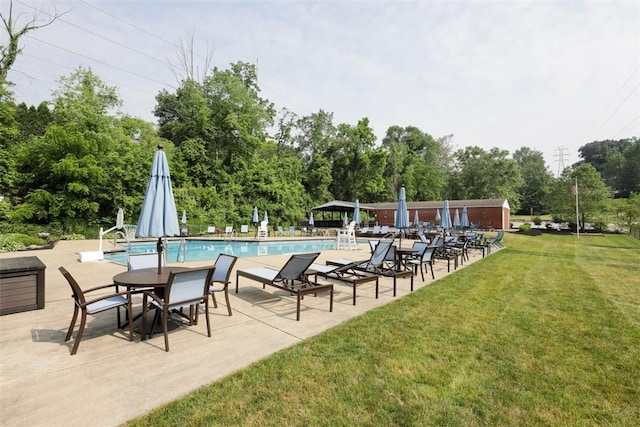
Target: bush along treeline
{"x": 71, "y": 162}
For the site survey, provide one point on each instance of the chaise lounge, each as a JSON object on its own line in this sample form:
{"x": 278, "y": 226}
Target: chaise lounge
{"x": 293, "y": 277}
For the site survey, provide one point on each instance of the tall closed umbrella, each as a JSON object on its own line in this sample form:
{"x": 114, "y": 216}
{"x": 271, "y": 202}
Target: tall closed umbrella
{"x": 464, "y": 221}
{"x": 184, "y": 217}
{"x": 456, "y": 219}
{"x": 356, "y": 212}
{"x": 266, "y": 217}
{"x": 402, "y": 214}
{"x": 255, "y": 219}
{"x": 416, "y": 219}
{"x": 445, "y": 222}
{"x": 158, "y": 217}
{"x": 438, "y": 217}
{"x": 346, "y": 219}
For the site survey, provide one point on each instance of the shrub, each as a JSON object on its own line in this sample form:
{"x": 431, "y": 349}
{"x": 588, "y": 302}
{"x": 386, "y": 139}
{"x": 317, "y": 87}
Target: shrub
{"x": 73, "y": 236}
{"x": 557, "y": 218}
{"x": 525, "y": 227}
{"x": 537, "y": 220}
{"x": 600, "y": 226}
{"x": 8, "y": 243}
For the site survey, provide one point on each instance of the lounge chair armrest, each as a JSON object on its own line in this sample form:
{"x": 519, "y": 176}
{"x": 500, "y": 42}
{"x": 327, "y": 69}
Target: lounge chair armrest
{"x": 111, "y": 285}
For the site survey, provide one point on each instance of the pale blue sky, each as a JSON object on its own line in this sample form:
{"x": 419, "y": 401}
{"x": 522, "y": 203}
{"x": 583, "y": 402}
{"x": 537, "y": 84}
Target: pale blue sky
{"x": 542, "y": 74}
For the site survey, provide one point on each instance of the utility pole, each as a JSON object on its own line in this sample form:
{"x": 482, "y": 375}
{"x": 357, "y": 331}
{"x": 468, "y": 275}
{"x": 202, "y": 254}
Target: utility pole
{"x": 561, "y": 156}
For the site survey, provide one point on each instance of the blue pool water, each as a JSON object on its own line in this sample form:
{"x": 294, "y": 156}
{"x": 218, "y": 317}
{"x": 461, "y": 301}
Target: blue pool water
{"x": 200, "y": 250}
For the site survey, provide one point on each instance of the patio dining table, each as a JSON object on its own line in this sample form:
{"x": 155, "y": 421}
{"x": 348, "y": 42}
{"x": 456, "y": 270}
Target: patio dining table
{"x": 147, "y": 279}
{"x": 401, "y": 256}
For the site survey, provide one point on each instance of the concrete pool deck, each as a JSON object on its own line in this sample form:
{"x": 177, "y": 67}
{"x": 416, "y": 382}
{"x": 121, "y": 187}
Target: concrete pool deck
{"x": 111, "y": 380}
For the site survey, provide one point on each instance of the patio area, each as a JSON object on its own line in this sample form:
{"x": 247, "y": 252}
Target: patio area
{"x": 111, "y": 380}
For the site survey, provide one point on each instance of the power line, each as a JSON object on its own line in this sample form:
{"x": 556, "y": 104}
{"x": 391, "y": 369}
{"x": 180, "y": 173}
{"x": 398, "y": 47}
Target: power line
{"x": 626, "y": 127}
{"x": 101, "y": 62}
{"x": 599, "y": 116}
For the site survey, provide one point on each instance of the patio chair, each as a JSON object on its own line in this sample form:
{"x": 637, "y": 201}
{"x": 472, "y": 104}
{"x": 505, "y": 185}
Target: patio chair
{"x": 244, "y": 230}
{"x": 185, "y": 288}
{"x": 280, "y": 231}
{"x": 422, "y": 257}
{"x": 292, "y": 278}
{"x": 220, "y": 278}
{"x": 94, "y": 305}
{"x": 496, "y": 240}
{"x": 145, "y": 260}
{"x": 292, "y": 231}
{"x": 228, "y": 231}
{"x": 211, "y": 229}
{"x": 377, "y": 264}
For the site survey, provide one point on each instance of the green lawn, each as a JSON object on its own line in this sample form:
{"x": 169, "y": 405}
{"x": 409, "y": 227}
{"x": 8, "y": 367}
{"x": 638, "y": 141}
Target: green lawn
{"x": 545, "y": 332}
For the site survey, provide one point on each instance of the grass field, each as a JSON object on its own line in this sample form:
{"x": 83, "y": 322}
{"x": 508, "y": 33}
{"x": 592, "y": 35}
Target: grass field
{"x": 545, "y": 332}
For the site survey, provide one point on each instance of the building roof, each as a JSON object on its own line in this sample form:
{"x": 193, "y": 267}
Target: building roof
{"x": 453, "y": 204}
{"x": 342, "y": 206}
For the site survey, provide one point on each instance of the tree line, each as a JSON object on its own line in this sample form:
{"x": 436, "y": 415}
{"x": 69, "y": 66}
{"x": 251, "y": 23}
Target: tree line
{"x": 76, "y": 159}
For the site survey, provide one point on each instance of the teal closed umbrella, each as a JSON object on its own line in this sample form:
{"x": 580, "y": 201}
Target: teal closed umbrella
{"x": 159, "y": 217}
{"x": 356, "y": 212}
{"x": 464, "y": 221}
{"x": 255, "y": 219}
{"x": 402, "y": 214}
{"x": 445, "y": 223}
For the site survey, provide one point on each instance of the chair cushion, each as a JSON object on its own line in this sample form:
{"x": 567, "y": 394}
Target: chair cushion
{"x": 106, "y": 303}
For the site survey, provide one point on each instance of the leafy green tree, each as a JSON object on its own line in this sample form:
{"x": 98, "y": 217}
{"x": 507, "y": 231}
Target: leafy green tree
{"x": 593, "y": 195}
{"x": 80, "y": 170}
{"x": 607, "y": 157}
{"x": 481, "y": 174}
{"x": 622, "y": 169}
{"x": 627, "y": 211}
{"x": 417, "y": 161}
{"x": 8, "y": 133}
{"x": 350, "y": 162}
{"x": 32, "y": 121}
{"x": 313, "y": 136}
{"x": 536, "y": 179}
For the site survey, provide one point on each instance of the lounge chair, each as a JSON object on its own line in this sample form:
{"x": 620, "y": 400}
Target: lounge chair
{"x": 292, "y": 278}
{"x": 280, "y": 231}
{"x": 292, "y": 231}
{"x": 377, "y": 264}
{"x": 244, "y": 230}
{"x": 228, "y": 231}
{"x": 346, "y": 275}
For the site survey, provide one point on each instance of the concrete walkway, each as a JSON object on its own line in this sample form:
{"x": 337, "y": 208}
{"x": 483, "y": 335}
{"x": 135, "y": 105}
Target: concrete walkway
{"x": 111, "y": 380}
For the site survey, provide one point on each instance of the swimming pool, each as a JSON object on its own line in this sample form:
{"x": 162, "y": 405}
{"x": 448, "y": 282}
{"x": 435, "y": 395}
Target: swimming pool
{"x": 200, "y": 250}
